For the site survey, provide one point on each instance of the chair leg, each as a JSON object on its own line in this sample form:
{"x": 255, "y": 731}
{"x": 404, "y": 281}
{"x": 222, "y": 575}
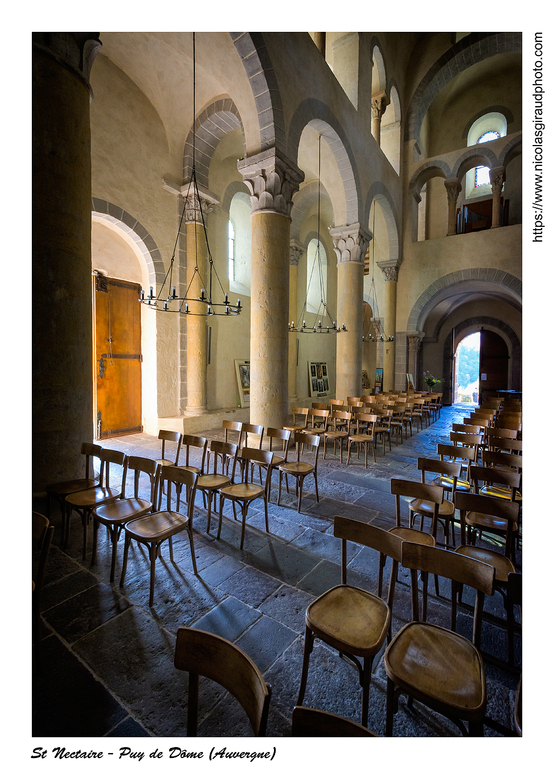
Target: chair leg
{"x": 125, "y": 554}
{"x": 368, "y": 662}
{"x": 153, "y": 554}
{"x": 308, "y": 647}
{"x": 300, "y": 482}
{"x": 390, "y": 707}
{"x": 192, "y": 553}
{"x": 114, "y": 537}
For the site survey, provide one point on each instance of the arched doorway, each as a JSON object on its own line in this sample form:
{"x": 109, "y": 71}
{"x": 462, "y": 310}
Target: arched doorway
{"x": 481, "y": 367}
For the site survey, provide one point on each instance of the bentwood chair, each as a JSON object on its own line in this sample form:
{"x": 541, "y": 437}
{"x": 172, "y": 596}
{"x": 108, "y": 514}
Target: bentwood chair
{"x": 308, "y": 722}
{"x": 115, "y": 514}
{"x": 317, "y": 421}
{"x": 232, "y": 433}
{"x": 84, "y": 502}
{"x": 200, "y": 653}
{"x": 364, "y": 435}
{"x": 154, "y": 529}
{"x": 198, "y": 443}
{"x": 301, "y": 470}
{"x": 421, "y": 508}
{"x": 299, "y": 420}
{"x": 337, "y": 432}
{"x": 276, "y": 437}
{"x": 465, "y": 439}
{"x": 463, "y": 455}
{"x": 451, "y": 682}
{"x": 63, "y": 489}
{"x": 212, "y": 482}
{"x": 495, "y": 516}
{"x": 246, "y": 492}
{"x": 171, "y": 441}
{"x": 351, "y": 620}
{"x": 256, "y": 433}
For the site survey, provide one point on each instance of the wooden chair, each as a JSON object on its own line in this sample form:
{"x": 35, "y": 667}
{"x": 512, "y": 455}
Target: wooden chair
{"x": 353, "y": 400}
{"x": 335, "y": 403}
{"x": 364, "y": 435}
{"x": 492, "y": 403}
{"x": 339, "y": 430}
{"x": 154, "y": 529}
{"x": 42, "y": 533}
{"x": 169, "y": 437}
{"x": 465, "y": 439}
{"x": 212, "y": 482}
{"x": 245, "y": 492}
{"x": 232, "y": 433}
{"x": 84, "y": 502}
{"x": 499, "y": 459}
{"x": 307, "y": 722}
{"x": 63, "y": 489}
{"x": 317, "y": 422}
{"x": 465, "y": 455}
{"x": 481, "y": 513}
{"x": 468, "y": 429}
{"x": 505, "y": 444}
{"x": 498, "y": 482}
{"x": 115, "y": 514}
{"x": 450, "y": 681}
{"x": 200, "y": 653}
{"x": 256, "y": 433}
{"x": 299, "y": 420}
{"x": 422, "y": 508}
{"x": 301, "y": 470}
{"x": 383, "y": 427}
{"x": 500, "y": 432}
{"x": 350, "y": 619}
{"x": 481, "y": 422}
{"x": 419, "y": 414}
{"x": 485, "y": 413}
{"x": 397, "y": 422}
{"x": 276, "y": 436}
{"x": 200, "y": 443}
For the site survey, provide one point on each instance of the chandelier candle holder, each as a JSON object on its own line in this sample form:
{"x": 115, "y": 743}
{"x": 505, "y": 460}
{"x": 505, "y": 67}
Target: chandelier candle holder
{"x": 323, "y": 316}
{"x": 205, "y": 302}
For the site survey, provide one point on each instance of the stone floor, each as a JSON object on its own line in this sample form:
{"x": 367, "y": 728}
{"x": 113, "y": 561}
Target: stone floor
{"x": 107, "y": 658}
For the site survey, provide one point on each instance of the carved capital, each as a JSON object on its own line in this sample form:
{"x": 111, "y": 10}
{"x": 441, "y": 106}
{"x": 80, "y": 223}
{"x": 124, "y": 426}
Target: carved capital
{"x": 296, "y": 252}
{"x": 74, "y": 50}
{"x": 497, "y": 179}
{"x": 379, "y": 103}
{"x": 414, "y": 342}
{"x": 197, "y": 207}
{"x": 272, "y": 180}
{"x": 453, "y": 189}
{"x": 350, "y": 242}
{"x": 390, "y": 270}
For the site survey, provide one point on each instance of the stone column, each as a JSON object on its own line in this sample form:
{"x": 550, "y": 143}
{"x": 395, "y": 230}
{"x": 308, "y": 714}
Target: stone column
{"x": 414, "y": 343}
{"x": 350, "y": 244}
{"x": 379, "y": 103}
{"x": 272, "y": 181}
{"x": 197, "y": 374}
{"x": 296, "y": 251}
{"x": 62, "y": 383}
{"x": 497, "y": 178}
{"x": 453, "y": 188}
{"x": 390, "y": 271}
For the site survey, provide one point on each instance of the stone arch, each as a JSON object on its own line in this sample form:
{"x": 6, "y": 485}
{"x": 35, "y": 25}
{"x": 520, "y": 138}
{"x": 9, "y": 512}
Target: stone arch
{"x": 317, "y": 115}
{"x": 304, "y": 199}
{"x": 469, "y": 50}
{"x": 267, "y": 96}
{"x": 477, "y": 155}
{"x": 504, "y": 280}
{"x": 137, "y": 233}
{"x": 230, "y": 193}
{"x": 427, "y": 171}
{"x": 378, "y": 77}
{"x": 510, "y": 150}
{"x": 502, "y": 110}
{"x": 379, "y": 194}
{"x": 210, "y": 127}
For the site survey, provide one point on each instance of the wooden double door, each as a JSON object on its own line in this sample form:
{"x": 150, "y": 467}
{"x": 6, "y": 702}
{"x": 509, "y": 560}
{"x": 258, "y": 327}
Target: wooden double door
{"x": 118, "y": 358}
{"x": 493, "y": 365}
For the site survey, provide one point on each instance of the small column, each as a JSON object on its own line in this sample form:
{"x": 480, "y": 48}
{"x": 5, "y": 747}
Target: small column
{"x": 296, "y": 251}
{"x": 453, "y": 188}
{"x": 414, "y": 343}
{"x": 197, "y": 388}
{"x": 379, "y": 103}
{"x": 390, "y": 272}
{"x": 63, "y": 367}
{"x": 497, "y": 178}
{"x": 350, "y": 244}
{"x": 272, "y": 181}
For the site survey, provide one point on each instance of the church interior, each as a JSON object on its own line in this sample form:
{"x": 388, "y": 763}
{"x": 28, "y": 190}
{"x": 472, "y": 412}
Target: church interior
{"x": 288, "y": 231}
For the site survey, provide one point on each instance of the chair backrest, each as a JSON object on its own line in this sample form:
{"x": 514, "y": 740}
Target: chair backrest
{"x": 319, "y": 416}
{"x": 380, "y": 540}
{"x": 89, "y": 451}
{"x": 335, "y": 402}
{"x": 341, "y": 416}
{"x": 465, "y": 453}
{"x": 498, "y": 458}
{"x": 278, "y": 434}
{"x": 232, "y": 427}
{"x": 195, "y": 442}
{"x": 260, "y": 457}
{"x": 205, "y": 654}
{"x": 353, "y": 400}
{"x": 479, "y": 475}
{"x": 482, "y": 422}
{"x": 305, "y": 439}
{"x": 468, "y": 429}
{"x": 183, "y": 481}
{"x": 108, "y": 458}
{"x": 224, "y": 451}
{"x": 454, "y": 566}
{"x": 364, "y": 420}
{"x": 505, "y": 444}
{"x": 249, "y": 429}
{"x": 488, "y": 413}
{"x": 299, "y": 416}
{"x": 416, "y": 490}
{"x": 467, "y": 502}
{"x": 307, "y": 722}
{"x": 500, "y": 432}
{"x": 170, "y": 436}
{"x": 467, "y": 439}
{"x": 441, "y": 466}
{"x": 492, "y": 403}
{"x": 138, "y": 466}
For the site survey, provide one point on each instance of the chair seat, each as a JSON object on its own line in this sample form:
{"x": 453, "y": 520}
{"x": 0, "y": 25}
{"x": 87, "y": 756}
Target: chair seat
{"x": 423, "y": 507}
{"x": 212, "y": 482}
{"x": 351, "y": 619}
{"x": 332, "y": 434}
{"x": 122, "y": 510}
{"x": 191, "y": 469}
{"x": 93, "y": 497}
{"x": 360, "y": 438}
{"x": 500, "y": 492}
{"x": 297, "y": 468}
{"x": 314, "y": 430}
{"x": 447, "y": 482}
{"x": 489, "y": 522}
{"x": 157, "y": 526}
{"x": 72, "y": 487}
{"x": 438, "y": 666}
{"x": 243, "y": 491}
{"x": 502, "y": 565}
{"x": 413, "y": 535}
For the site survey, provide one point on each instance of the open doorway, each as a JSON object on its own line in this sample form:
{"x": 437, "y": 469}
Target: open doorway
{"x": 481, "y": 367}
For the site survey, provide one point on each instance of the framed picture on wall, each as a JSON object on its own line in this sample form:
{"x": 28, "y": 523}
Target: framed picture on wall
{"x": 242, "y": 368}
{"x": 378, "y": 380}
{"x": 319, "y": 379}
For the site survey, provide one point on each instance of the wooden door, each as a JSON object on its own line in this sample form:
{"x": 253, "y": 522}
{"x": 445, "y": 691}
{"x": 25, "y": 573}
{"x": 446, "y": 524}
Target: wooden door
{"x": 118, "y": 357}
{"x": 493, "y": 365}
